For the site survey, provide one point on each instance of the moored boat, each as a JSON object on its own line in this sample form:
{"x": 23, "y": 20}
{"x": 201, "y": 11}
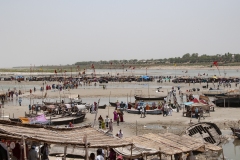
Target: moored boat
{"x": 214, "y": 93}
{"x": 59, "y": 120}
{"x": 234, "y": 130}
{"x": 227, "y": 101}
{"x": 149, "y": 98}
{"x": 113, "y": 104}
{"x": 102, "y": 107}
{"x": 237, "y": 134}
{"x": 135, "y": 111}
{"x": 66, "y": 120}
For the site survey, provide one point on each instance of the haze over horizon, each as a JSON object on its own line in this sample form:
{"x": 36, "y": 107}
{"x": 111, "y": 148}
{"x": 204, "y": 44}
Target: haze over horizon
{"x": 64, "y": 32}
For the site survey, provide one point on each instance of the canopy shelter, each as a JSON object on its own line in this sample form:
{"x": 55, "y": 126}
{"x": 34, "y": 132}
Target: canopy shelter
{"x": 168, "y": 144}
{"x": 63, "y": 136}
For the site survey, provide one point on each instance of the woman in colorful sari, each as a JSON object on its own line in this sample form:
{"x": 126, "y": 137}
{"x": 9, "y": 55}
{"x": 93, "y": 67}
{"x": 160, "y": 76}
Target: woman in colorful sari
{"x": 121, "y": 116}
{"x": 115, "y": 115}
{"x": 147, "y": 107}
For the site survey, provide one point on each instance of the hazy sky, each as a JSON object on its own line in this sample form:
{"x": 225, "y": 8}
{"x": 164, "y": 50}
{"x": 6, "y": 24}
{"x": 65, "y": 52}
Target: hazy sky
{"x": 58, "y": 32}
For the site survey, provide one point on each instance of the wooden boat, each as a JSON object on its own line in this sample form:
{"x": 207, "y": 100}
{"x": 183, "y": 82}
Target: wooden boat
{"x": 237, "y": 134}
{"x": 113, "y": 104}
{"x": 208, "y": 132}
{"x": 102, "y": 107}
{"x": 234, "y": 130}
{"x": 227, "y": 101}
{"x": 52, "y": 120}
{"x": 214, "y": 93}
{"x": 135, "y": 111}
{"x": 149, "y": 98}
{"x": 52, "y": 103}
{"x": 66, "y": 120}
{"x": 15, "y": 119}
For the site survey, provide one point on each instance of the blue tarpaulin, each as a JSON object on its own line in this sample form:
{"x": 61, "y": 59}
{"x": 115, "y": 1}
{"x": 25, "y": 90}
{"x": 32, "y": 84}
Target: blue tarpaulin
{"x": 145, "y": 77}
{"x": 188, "y": 103}
{"x": 19, "y": 77}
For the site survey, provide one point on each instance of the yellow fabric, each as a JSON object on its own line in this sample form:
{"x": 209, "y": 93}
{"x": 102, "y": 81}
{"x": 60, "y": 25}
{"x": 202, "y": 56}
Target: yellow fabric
{"x": 24, "y": 120}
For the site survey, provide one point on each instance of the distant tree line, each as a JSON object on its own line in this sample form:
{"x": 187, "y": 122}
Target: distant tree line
{"x": 191, "y": 59}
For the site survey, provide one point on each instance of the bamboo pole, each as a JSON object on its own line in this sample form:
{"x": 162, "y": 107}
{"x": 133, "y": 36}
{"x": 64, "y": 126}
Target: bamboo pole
{"x": 223, "y": 154}
{"x": 86, "y": 147}
{"x": 24, "y": 148}
{"x": 65, "y": 152}
{"x": 136, "y": 128}
{"x": 39, "y": 152}
{"x": 131, "y": 151}
{"x": 107, "y": 150}
{"x": 160, "y": 154}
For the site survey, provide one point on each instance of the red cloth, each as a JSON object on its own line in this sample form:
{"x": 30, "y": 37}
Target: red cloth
{"x": 195, "y": 100}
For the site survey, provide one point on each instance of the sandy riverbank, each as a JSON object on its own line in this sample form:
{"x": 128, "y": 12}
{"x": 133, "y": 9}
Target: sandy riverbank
{"x": 220, "y": 114}
{"x": 223, "y": 117}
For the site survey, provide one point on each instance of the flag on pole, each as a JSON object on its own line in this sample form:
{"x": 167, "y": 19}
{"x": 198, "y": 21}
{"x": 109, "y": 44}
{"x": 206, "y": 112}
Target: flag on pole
{"x": 215, "y": 63}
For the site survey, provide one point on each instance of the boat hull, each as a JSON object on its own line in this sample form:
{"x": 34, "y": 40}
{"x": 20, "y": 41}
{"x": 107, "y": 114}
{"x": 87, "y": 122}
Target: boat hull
{"x": 56, "y": 121}
{"x": 227, "y": 102}
{"x": 102, "y": 107}
{"x": 154, "y": 112}
{"x": 237, "y": 134}
{"x": 149, "y": 98}
{"x": 113, "y": 104}
{"x": 234, "y": 130}
{"x": 65, "y": 121}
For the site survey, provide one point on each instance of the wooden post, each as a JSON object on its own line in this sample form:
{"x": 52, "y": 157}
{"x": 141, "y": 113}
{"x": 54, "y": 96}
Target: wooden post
{"x": 136, "y": 128}
{"x": 160, "y": 154}
{"x": 107, "y": 150}
{"x": 223, "y": 154}
{"x": 131, "y": 151}
{"x": 24, "y": 148}
{"x": 65, "y": 152}
{"x": 105, "y": 155}
{"x": 39, "y": 152}
{"x": 86, "y": 152}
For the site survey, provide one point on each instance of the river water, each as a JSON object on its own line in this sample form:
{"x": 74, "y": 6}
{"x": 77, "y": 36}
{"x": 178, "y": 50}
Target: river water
{"x": 151, "y": 72}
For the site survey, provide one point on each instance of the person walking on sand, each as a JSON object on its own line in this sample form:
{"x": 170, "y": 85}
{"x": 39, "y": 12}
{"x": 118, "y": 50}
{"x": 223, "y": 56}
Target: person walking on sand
{"x": 170, "y": 110}
{"x": 20, "y": 101}
{"x": 107, "y": 121}
{"x": 117, "y": 119}
{"x": 111, "y": 125}
{"x": 200, "y": 114}
{"x": 115, "y": 115}
{"x": 196, "y": 112}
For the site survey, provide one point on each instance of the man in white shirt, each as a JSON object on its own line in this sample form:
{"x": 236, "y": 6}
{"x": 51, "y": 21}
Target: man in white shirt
{"x": 99, "y": 155}
{"x": 120, "y": 134}
{"x": 106, "y": 121}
